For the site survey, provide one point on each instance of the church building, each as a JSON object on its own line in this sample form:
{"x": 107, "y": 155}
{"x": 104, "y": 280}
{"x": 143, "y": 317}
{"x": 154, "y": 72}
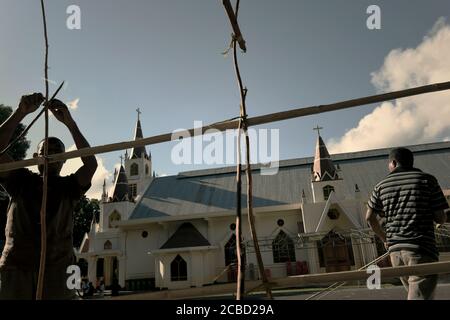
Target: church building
{"x": 179, "y": 231}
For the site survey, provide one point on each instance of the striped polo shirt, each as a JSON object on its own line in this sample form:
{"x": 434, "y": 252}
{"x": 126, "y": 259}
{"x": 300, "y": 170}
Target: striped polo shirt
{"x": 408, "y": 198}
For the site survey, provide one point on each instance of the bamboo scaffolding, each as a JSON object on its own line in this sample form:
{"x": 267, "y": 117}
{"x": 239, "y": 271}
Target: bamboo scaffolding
{"x": 240, "y": 287}
{"x": 43, "y": 213}
{"x": 25, "y": 131}
{"x": 296, "y": 281}
{"x": 234, "y": 23}
{"x": 232, "y": 124}
{"x": 240, "y": 290}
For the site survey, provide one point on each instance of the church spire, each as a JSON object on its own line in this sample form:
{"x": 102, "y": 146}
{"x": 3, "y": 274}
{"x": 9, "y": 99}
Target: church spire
{"x": 121, "y": 190}
{"x": 138, "y": 152}
{"x": 323, "y": 169}
{"x": 104, "y": 194}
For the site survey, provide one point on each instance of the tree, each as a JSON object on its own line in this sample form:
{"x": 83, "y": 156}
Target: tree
{"x": 17, "y": 152}
{"x": 82, "y": 218}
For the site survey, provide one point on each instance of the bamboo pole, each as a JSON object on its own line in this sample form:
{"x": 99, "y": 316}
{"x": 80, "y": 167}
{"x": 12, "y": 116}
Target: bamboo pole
{"x": 240, "y": 288}
{"x": 234, "y": 23}
{"x": 41, "y": 274}
{"x": 337, "y": 285}
{"x": 243, "y": 126}
{"x": 232, "y": 125}
{"x": 296, "y": 281}
{"x": 25, "y": 131}
{"x": 241, "y": 260}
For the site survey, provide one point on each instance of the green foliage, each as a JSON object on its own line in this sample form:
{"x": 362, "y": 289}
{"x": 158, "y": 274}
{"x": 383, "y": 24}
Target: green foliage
{"x": 82, "y": 218}
{"x": 19, "y": 150}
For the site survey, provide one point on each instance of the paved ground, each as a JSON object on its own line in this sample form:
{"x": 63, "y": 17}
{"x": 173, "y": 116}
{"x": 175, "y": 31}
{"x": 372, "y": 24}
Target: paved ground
{"x": 387, "y": 293}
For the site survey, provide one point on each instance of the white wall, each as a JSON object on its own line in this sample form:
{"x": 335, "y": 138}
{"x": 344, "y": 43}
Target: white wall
{"x": 139, "y": 263}
{"x": 266, "y": 228}
{"x": 124, "y": 208}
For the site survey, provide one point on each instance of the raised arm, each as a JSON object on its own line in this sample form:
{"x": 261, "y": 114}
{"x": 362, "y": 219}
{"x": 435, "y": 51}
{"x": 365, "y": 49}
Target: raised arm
{"x": 61, "y": 112}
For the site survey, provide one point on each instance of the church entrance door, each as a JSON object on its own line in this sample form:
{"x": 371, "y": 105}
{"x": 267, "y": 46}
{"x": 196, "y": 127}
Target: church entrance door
{"x": 335, "y": 254}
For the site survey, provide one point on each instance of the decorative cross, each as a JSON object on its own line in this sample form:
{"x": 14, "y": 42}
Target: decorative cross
{"x": 318, "y": 129}
{"x": 121, "y": 159}
{"x": 138, "y": 110}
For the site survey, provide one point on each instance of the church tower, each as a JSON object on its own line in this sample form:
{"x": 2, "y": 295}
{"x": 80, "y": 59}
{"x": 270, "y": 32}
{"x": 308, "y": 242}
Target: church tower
{"x": 325, "y": 178}
{"x": 119, "y": 205}
{"x": 138, "y": 165}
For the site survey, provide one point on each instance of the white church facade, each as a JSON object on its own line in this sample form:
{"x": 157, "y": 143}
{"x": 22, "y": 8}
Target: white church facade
{"x": 179, "y": 231}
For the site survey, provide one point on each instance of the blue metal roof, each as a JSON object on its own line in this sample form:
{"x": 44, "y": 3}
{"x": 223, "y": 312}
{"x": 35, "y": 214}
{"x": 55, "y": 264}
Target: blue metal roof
{"x": 214, "y": 190}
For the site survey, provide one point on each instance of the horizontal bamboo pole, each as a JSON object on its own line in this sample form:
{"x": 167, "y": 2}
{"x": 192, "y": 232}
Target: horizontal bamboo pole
{"x": 293, "y": 281}
{"x": 233, "y": 124}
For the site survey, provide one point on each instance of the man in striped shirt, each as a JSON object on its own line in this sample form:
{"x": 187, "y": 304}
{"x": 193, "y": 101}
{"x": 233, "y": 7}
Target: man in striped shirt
{"x": 411, "y": 201}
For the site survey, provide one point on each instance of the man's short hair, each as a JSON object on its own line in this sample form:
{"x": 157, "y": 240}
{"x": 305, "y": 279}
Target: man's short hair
{"x": 403, "y": 156}
{"x": 53, "y": 141}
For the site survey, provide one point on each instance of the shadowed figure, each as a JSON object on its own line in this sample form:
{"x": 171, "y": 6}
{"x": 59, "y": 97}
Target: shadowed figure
{"x": 19, "y": 264}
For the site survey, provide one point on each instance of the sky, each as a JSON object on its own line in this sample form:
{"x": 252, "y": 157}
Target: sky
{"x": 165, "y": 57}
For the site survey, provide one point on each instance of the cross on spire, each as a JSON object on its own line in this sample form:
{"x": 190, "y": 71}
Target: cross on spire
{"x": 318, "y": 129}
{"x": 121, "y": 160}
{"x": 138, "y": 110}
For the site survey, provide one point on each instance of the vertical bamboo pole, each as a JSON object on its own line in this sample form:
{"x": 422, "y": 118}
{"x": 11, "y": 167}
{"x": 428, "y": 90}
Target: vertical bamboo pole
{"x": 243, "y": 125}
{"x": 240, "y": 289}
{"x": 41, "y": 275}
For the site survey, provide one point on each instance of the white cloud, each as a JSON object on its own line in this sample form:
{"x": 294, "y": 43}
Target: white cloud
{"x": 72, "y": 165}
{"x": 73, "y": 105}
{"x": 413, "y": 120}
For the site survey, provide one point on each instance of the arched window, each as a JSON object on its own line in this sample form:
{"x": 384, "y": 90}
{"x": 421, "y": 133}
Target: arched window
{"x": 230, "y": 251}
{"x": 134, "y": 169}
{"x": 283, "y": 248}
{"x": 327, "y": 191}
{"x": 100, "y": 267}
{"x": 114, "y": 216}
{"x": 147, "y": 170}
{"x": 107, "y": 245}
{"x": 178, "y": 269}
{"x": 333, "y": 214}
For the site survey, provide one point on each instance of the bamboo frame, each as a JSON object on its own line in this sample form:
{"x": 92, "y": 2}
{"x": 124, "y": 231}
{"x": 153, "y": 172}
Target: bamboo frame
{"x": 240, "y": 290}
{"x": 241, "y": 256}
{"x": 43, "y": 213}
{"x": 296, "y": 281}
{"x": 243, "y": 123}
{"x": 233, "y": 124}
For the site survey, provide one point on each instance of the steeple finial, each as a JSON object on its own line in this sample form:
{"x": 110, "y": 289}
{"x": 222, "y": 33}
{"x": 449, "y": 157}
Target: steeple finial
{"x": 121, "y": 160}
{"x": 138, "y": 110}
{"x": 318, "y": 129}
{"x": 104, "y": 194}
{"x": 138, "y": 152}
